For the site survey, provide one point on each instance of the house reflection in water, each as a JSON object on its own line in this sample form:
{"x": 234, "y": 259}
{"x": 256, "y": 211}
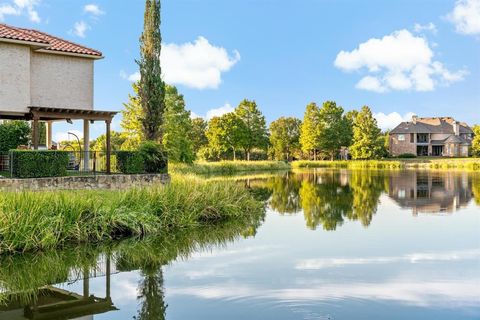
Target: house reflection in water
{"x": 51, "y": 302}
{"x": 431, "y": 192}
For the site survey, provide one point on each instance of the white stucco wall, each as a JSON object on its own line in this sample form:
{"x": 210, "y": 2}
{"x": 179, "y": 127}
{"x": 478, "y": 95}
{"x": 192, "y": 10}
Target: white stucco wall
{"x": 60, "y": 81}
{"x": 14, "y": 77}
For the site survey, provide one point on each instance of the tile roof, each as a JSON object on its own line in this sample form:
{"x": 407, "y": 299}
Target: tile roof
{"x": 55, "y": 43}
{"x": 431, "y": 125}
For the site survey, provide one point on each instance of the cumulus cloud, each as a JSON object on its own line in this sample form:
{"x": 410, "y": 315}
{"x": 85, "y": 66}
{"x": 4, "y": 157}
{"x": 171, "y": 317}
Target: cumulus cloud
{"x": 219, "y": 111}
{"x": 391, "y": 120}
{"x": 425, "y": 27}
{"x": 93, "y": 9}
{"x": 399, "y": 61}
{"x": 19, "y": 7}
{"x": 196, "y": 65}
{"x": 466, "y": 17}
{"x": 80, "y": 28}
{"x": 134, "y": 77}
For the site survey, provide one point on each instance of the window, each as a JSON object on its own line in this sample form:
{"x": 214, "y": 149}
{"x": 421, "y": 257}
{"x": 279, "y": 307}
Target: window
{"x": 412, "y": 137}
{"x": 422, "y": 138}
{"x": 401, "y": 137}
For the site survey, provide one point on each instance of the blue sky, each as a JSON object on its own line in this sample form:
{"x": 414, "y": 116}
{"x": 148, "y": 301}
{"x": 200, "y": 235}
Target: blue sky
{"x": 405, "y": 57}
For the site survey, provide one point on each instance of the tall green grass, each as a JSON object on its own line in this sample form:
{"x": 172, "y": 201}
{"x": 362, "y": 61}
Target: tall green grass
{"x": 350, "y": 164}
{"x": 40, "y": 220}
{"x": 227, "y": 167}
{"x": 420, "y": 163}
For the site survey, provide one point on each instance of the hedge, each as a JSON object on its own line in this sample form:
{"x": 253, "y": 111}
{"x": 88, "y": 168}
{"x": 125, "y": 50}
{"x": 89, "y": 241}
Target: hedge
{"x": 37, "y": 164}
{"x": 130, "y": 162}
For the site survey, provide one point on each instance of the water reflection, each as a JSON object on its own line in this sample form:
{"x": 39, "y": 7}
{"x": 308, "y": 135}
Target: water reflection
{"x": 329, "y": 197}
{"x": 37, "y": 286}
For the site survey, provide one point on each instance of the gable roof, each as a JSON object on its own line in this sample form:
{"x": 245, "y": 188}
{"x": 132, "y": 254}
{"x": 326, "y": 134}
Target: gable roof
{"x": 46, "y": 41}
{"x": 431, "y": 125}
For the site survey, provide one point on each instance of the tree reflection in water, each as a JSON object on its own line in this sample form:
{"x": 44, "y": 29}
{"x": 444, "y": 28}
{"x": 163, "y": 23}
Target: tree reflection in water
{"x": 329, "y": 197}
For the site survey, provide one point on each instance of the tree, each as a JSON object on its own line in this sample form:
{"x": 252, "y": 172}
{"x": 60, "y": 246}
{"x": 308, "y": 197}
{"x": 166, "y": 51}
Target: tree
{"x": 117, "y": 139}
{"x": 14, "y": 134}
{"x": 367, "y": 141}
{"x": 333, "y": 129}
{"x": 132, "y": 121}
{"x": 284, "y": 137}
{"x": 177, "y": 128}
{"x": 197, "y": 134}
{"x": 350, "y": 118}
{"x": 476, "y": 141}
{"x": 309, "y": 131}
{"x": 255, "y": 134}
{"x": 226, "y": 133}
{"x": 151, "y": 88}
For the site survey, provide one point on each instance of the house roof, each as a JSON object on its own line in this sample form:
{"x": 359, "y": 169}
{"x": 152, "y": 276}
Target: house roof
{"x": 431, "y": 125}
{"x": 46, "y": 41}
{"x": 457, "y": 140}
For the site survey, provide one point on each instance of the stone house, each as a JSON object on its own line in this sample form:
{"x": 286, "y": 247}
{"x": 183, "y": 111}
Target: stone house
{"x": 440, "y": 137}
{"x": 44, "y": 78}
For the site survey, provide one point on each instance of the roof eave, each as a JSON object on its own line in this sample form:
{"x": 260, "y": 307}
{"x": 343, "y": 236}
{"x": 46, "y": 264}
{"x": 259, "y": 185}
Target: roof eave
{"x": 33, "y": 44}
{"x": 72, "y": 54}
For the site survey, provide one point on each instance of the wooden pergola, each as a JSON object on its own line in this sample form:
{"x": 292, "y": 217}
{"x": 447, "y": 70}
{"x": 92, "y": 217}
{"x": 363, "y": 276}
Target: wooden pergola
{"x": 49, "y": 115}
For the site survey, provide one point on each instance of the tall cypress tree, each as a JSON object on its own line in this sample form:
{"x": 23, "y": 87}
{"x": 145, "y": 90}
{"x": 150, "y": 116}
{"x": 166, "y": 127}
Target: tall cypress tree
{"x": 151, "y": 88}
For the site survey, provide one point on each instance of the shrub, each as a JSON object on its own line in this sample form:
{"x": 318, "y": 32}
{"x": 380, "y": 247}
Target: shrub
{"x": 155, "y": 159}
{"x": 13, "y": 134}
{"x": 37, "y": 164}
{"x": 407, "y": 156}
{"x": 130, "y": 162}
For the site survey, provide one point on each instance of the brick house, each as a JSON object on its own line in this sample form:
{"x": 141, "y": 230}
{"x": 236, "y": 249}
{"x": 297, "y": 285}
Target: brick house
{"x": 442, "y": 136}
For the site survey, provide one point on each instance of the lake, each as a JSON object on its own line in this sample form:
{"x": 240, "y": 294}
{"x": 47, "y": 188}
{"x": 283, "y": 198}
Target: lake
{"x": 333, "y": 244}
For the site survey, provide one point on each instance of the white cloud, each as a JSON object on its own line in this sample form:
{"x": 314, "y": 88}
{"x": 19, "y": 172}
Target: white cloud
{"x": 399, "y": 61}
{"x": 19, "y": 7}
{"x": 466, "y": 16}
{"x": 219, "y": 111}
{"x": 64, "y": 136}
{"x": 134, "y": 77}
{"x": 79, "y": 28}
{"x": 425, "y": 27}
{"x": 93, "y": 9}
{"x": 370, "y": 83}
{"x": 196, "y": 65}
{"x": 391, "y": 120}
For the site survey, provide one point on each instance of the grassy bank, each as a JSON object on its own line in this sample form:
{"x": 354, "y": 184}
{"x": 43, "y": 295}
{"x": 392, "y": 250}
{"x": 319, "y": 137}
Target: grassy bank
{"x": 228, "y": 167}
{"x": 469, "y": 164}
{"x": 34, "y": 220}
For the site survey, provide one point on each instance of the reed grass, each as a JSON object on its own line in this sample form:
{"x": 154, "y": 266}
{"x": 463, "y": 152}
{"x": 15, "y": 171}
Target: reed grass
{"x": 40, "y": 220}
{"x": 469, "y": 164}
{"x": 227, "y": 167}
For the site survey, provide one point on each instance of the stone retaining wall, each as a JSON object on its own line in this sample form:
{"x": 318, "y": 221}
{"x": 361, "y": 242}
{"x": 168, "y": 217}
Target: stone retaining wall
{"x": 117, "y": 181}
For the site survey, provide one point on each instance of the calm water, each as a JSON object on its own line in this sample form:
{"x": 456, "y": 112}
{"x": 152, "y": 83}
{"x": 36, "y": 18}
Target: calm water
{"x": 332, "y": 245}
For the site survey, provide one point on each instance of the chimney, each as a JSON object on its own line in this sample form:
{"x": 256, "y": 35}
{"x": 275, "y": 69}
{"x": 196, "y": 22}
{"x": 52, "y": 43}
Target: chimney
{"x": 414, "y": 119}
{"x": 456, "y": 128}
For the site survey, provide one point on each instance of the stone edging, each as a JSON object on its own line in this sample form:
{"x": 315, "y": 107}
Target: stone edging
{"x": 116, "y": 181}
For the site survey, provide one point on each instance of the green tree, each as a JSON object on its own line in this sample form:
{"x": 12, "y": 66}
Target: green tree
{"x": 285, "y": 137}
{"x": 177, "y": 128}
{"x": 132, "y": 120}
{"x": 350, "y": 118}
{"x": 14, "y": 134}
{"x": 255, "y": 128}
{"x": 117, "y": 139}
{"x": 476, "y": 141}
{"x": 367, "y": 141}
{"x": 334, "y": 128}
{"x": 310, "y": 129}
{"x": 151, "y": 88}
{"x": 226, "y": 133}
{"x": 198, "y": 134}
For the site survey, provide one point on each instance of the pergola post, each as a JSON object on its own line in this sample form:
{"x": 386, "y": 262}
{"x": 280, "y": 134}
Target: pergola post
{"x": 49, "y": 135}
{"x": 35, "y": 132}
{"x": 86, "y": 145}
{"x": 109, "y": 147}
